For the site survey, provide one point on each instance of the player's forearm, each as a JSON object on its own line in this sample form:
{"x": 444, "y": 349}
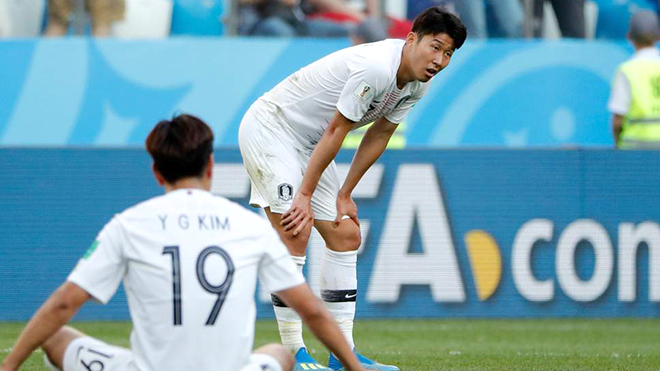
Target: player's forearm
{"x": 320, "y": 322}
{"x": 324, "y": 327}
{"x": 372, "y": 146}
{"x": 53, "y": 314}
{"x": 325, "y": 151}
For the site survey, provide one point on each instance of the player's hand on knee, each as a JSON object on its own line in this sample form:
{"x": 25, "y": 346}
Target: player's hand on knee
{"x": 346, "y": 207}
{"x": 299, "y": 216}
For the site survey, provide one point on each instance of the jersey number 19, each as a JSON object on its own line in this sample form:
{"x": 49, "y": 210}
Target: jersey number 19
{"x": 220, "y": 290}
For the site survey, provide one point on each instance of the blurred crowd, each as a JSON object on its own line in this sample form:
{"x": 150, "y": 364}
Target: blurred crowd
{"x": 363, "y": 20}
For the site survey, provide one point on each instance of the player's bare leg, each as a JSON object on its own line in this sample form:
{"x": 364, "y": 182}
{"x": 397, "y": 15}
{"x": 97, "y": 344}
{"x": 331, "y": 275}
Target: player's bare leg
{"x": 288, "y": 321}
{"x": 339, "y": 282}
{"x": 56, "y": 345}
{"x": 297, "y": 245}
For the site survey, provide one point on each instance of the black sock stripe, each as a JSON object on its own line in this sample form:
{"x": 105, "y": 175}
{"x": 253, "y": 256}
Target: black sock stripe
{"x": 339, "y": 296}
{"x": 277, "y": 302}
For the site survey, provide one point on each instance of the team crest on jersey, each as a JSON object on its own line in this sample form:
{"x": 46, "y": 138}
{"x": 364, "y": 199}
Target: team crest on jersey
{"x": 363, "y": 92}
{"x": 285, "y": 192}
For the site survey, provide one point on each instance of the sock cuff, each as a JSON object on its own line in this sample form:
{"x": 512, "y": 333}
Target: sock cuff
{"x": 339, "y": 296}
{"x": 345, "y": 258}
{"x": 277, "y": 302}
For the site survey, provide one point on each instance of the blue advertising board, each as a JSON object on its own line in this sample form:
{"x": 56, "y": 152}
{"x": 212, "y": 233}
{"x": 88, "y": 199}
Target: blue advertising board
{"x": 91, "y": 92}
{"x": 446, "y": 233}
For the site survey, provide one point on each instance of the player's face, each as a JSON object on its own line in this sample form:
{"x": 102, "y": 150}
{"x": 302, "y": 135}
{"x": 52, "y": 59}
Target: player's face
{"x": 430, "y": 55}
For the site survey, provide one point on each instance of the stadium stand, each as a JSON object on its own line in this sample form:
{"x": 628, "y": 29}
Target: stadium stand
{"x": 604, "y": 19}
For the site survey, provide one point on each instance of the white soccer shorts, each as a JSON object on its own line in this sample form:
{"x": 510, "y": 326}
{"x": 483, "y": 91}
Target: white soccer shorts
{"x": 276, "y": 164}
{"x": 89, "y": 354}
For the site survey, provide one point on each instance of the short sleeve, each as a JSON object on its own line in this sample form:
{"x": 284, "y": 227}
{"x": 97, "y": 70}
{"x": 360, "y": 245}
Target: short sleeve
{"x": 277, "y": 271}
{"x": 100, "y": 271}
{"x": 365, "y": 82}
{"x": 401, "y": 110}
{"x": 619, "y": 102}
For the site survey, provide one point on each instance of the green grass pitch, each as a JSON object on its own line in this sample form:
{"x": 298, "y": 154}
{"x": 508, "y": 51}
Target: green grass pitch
{"x": 430, "y": 345}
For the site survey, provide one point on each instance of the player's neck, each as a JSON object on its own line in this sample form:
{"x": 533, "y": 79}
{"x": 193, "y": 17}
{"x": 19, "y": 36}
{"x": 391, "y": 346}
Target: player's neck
{"x": 189, "y": 183}
{"x": 404, "y": 73}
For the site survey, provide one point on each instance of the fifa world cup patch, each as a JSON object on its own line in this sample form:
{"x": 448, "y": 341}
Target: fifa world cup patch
{"x": 363, "y": 92}
{"x": 285, "y": 192}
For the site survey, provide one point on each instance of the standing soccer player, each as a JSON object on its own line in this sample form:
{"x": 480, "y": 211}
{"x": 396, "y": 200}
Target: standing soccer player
{"x": 189, "y": 262}
{"x": 290, "y": 136}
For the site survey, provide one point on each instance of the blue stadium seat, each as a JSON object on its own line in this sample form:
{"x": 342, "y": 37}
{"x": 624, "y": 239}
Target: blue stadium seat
{"x": 197, "y": 17}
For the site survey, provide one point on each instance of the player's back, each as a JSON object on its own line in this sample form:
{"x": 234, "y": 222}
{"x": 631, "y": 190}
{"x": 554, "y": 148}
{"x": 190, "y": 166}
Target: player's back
{"x": 192, "y": 261}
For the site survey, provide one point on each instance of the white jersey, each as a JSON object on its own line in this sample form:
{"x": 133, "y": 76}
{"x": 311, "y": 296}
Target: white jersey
{"x": 189, "y": 263}
{"x": 359, "y": 81}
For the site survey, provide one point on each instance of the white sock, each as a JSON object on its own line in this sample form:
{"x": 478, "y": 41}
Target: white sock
{"x": 288, "y": 321}
{"x": 339, "y": 288}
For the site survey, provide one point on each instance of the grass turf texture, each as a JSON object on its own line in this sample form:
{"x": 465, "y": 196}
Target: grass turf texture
{"x": 425, "y": 345}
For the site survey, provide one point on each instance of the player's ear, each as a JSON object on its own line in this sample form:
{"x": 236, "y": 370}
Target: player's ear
{"x": 411, "y": 37}
{"x": 157, "y": 175}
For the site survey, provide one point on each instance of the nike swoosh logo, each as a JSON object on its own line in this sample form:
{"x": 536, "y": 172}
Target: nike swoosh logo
{"x": 349, "y": 296}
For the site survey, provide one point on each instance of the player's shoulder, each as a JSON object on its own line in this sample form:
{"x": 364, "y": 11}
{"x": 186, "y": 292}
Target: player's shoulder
{"x": 242, "y": 220}
{"x": 381, "y": 57}
{"x": 143, "y": 207}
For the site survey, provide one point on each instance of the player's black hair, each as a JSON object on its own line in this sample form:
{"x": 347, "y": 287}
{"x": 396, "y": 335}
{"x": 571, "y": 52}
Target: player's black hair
{"x": 437, "y": 19}
{"x": 180, "y": 147}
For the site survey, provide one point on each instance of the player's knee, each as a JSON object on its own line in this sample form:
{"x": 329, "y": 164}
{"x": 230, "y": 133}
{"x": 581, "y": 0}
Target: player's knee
{"x": 280, "y": 353}
{"x": 347, "y": 237}
{"x": 352, "y": 238}
{"x": 297, "y": 245}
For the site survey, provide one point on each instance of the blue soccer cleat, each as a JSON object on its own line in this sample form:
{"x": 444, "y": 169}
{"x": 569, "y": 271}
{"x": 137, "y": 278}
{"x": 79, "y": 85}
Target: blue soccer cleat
{"x": 366, "y": 363}
{"x": 305, "y": 362}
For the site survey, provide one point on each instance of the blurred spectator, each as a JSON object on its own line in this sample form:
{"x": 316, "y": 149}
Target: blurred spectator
{"x": 286, "y": 18}
{"x": 508, "y": 13}
{"x": 369, "y": 31}
{"x": 102, "y": 13}
{"x": 396, "y": 27}
{"x": 570, "y": 17}
{"x": 635, "y": 98}
{"x": 312, "y": 18}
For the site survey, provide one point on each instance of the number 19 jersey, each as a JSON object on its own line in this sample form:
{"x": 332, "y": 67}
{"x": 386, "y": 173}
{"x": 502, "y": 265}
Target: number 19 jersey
{"x": 189, "y": 263}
